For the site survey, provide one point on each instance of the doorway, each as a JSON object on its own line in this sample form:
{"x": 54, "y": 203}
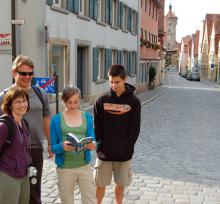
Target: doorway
{"x": 82, "y": 64}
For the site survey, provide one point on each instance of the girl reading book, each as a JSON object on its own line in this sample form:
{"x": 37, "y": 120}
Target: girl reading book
{"x": 73, "y": 167}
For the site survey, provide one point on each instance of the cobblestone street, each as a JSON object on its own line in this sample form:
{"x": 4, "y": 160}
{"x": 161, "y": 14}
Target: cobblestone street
{"x": 176, "y": 158}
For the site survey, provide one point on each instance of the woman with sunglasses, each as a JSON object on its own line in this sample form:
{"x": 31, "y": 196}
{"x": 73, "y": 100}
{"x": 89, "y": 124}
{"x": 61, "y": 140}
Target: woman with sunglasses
{"x": 15, "y": 159}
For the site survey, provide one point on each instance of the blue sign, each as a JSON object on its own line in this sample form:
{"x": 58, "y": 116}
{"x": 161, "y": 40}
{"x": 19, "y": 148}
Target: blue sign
{"x": 46, "y": 83}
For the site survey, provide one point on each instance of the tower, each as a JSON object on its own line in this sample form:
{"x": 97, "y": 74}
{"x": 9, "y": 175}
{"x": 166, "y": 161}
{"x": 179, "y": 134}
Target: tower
{"x": 170, "y": 29}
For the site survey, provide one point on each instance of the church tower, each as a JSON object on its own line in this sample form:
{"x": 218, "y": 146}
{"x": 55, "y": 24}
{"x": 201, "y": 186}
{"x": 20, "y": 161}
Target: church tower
{"x": 170, "y": 29}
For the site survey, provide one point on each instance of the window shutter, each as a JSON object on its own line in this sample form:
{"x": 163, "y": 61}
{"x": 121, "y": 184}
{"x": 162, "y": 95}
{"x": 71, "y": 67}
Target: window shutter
{"x": 76, "y": 6}
{"x": 107, "y": 11}
{"x": 118, "y": 15}
{"x": 110, "y": 11}
{"x": 130, "y": 65}
{"x": 91, "y": 9}
{"x": 136, "y": 19}
{"x": 129, "y": 18}
{"x": 121, "y": 15}
{"x": 70, "y": 5}
{"x": 119, "y": 57}
{"x": 49, "y": 2}
{"x": 95, "y": 65}
{"x": 108, "y": 61}
{"x": 134, "y": 62}
{"x": 95, "y": 10}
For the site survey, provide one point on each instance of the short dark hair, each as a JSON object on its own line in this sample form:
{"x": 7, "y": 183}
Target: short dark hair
{"x": 117, "y": 70}
{"x": 68, "y": 92}
{"x": 12, "y": 94}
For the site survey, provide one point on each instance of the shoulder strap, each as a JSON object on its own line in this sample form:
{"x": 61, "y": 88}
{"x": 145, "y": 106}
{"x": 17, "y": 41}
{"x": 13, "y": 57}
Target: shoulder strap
{"x": 11, "y": 131}
{"x": 39, "y": 94}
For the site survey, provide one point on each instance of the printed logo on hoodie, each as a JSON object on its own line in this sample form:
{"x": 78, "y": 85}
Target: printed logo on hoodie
{"x": 116, "y": 109}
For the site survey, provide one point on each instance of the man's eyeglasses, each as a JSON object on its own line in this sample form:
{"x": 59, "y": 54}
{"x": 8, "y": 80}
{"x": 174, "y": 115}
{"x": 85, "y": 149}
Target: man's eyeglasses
{"x": 25, "y": 73}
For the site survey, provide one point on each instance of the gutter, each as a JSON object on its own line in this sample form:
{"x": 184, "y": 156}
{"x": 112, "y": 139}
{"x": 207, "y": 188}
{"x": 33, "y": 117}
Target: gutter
{"x": 13, "y": 30}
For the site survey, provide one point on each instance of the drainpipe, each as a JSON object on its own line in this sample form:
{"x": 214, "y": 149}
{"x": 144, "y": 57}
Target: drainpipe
{"x": 13, "y": 30}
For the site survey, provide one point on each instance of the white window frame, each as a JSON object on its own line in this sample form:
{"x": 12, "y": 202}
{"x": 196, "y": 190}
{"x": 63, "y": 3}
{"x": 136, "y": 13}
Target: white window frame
{"x": 101, "y": 10}
{"x": 114, "y": 56}
{"x": 125, "y": 18}
{"x": 60, "y": 3}
{"x": 115, "y": 13}
{"x": 84, "y": 7}
{"x": 101, "y": 63}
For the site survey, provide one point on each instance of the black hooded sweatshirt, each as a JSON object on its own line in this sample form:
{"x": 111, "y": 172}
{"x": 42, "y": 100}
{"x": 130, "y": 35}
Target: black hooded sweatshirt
{"x": 117, "y": 124}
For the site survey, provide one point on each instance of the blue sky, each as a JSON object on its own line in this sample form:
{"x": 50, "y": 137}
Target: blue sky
{"x": 190, "y": 13}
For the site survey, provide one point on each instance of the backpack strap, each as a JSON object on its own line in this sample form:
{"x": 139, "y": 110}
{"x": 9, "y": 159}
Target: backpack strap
{"x": 11, "y": 132}
{"x": 39, "y": 95}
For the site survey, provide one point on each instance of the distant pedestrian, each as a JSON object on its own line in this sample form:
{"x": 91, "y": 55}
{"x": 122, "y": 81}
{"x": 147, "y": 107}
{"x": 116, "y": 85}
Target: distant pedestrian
{"x": 73, "y": 167}
{"x": 117, "y": 117}
{"x": 38, "y": 117}
{"x": 15, "y": 156}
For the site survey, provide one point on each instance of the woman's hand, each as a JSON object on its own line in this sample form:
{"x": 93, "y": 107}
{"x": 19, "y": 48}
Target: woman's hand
{"x": 91, "y": 146}
{"x": 67, "y": 146}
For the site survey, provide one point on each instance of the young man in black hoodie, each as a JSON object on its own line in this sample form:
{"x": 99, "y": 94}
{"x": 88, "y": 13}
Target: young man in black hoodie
{"x": 117, "y": 117}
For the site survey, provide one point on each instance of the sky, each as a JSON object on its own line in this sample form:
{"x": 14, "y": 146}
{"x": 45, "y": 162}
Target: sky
{"x": 190, "y": 14}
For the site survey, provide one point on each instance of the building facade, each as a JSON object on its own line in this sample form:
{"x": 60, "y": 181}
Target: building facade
{"x": 79, "y": 40}
{"x": 149, "y": 45}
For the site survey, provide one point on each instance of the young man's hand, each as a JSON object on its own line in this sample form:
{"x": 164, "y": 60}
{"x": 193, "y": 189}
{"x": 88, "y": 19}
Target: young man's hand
{"x": 91, "y": 146}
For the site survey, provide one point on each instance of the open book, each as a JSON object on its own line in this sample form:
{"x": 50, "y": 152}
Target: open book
{"x": 80, "y": 145}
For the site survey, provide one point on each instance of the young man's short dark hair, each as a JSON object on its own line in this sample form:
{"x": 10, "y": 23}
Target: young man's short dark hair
{"x": 117, "y": 70}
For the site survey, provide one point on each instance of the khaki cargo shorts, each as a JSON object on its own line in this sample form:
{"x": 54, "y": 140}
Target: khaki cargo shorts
{"x": 104, "y": 170}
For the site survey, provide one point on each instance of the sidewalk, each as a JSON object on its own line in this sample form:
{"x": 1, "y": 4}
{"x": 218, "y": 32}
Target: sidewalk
{"x": 49, "y": 178}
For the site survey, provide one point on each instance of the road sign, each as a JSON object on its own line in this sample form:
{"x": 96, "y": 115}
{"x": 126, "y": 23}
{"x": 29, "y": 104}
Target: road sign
{"x": 46, "y": 83}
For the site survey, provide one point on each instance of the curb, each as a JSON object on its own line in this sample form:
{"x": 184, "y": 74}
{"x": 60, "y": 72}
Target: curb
{"x": 156, "y": 96}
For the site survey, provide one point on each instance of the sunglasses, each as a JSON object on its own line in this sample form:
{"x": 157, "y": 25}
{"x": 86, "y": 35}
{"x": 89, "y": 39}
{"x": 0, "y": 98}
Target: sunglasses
{"x": 25, "y": 73}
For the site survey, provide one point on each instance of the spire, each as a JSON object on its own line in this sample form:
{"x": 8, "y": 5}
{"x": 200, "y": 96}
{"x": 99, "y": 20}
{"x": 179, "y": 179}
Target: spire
{"x": 170, "y": 8}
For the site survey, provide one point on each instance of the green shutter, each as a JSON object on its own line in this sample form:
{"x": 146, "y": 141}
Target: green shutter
{"x": 76, "y": 6}
{"x": 129, "y": 18}
{"x": 92, "y": 4}
{"x": 137, "y": 19}
{"x": 110, "y": 11}
{"x": 95, "y": 10}
{"x": 107, "y": 11}
{"x": 118, "y": 20}
{"x": 120, "y": 53}
{"x": 130, "y": 64}
{"x": 108, "y": 61}
{"x": 134, "y": 62}
{"x": 49, "y": 2}
{"x": 121, "y": 14}
{"x": 70, "y": 5}
{"x": 95, "y": 64}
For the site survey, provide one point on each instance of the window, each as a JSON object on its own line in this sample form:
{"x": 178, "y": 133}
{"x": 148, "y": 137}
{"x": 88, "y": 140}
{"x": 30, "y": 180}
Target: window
{"x": 145, "y": 34}
{"x": 101, "y": 10}
{"x": 101, "y": 63}
{"x": 84, "y": 7}
{"x": 58, "y": 64}
{"x": 61, "y": 3}
{"x": 115, "y": 13}
{"x": 150, "y": 8}
{"x": 125, "y": 59}
{"x": 142, "y": 34}
{"x": 114, "y": 56}
{"x": 125, "y": 18}
{"x": 134, "y": 22}
{"x": 156, "y": 14}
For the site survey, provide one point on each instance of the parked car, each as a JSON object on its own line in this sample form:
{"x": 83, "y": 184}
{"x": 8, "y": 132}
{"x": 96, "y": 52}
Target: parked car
{"x": 193, "y": 75}
{"x": 183, "y": 73}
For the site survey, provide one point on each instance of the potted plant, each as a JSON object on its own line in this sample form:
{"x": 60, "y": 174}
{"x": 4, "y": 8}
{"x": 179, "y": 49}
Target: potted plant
{"x": 152, "y": 75}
